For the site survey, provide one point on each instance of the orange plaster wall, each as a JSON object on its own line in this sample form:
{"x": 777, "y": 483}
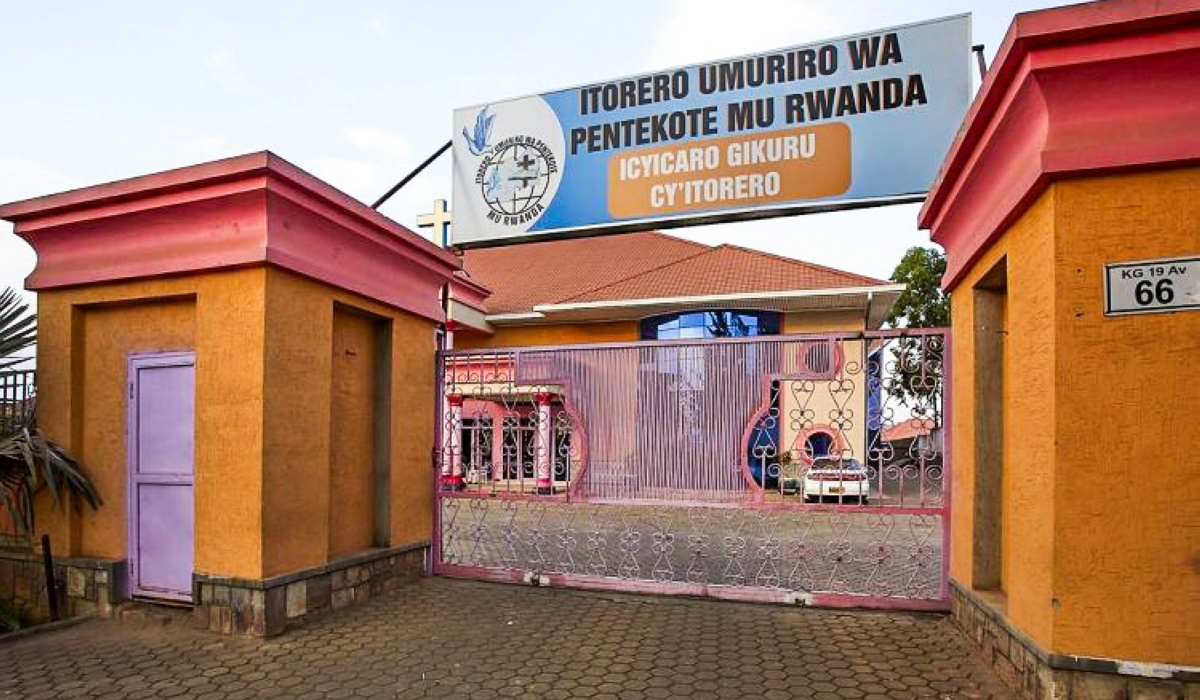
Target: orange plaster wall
{"x": 85, "y": 335}
{"x": 352, "y": 434}
{"x": 110, "y": 334}
{"x": 300, "y": 445}
{"x": 1101, "y": 501}
{"x": 1028, "y": 443}
{"x": 1127, "y": 541}
{"x": 823, "y": 322}
{"x": 229, "y": 416}
{"x": 962, "y": 431}
{"x": 413, "y": 392}
{"x": 1029, "y": 412}
{"x": 832, "y": 409}
{"x": 559, "y": 334}
{"x": 297, "y": 372}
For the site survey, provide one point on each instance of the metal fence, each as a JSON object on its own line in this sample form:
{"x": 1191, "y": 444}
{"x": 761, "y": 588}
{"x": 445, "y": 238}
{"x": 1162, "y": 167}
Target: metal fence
{"x": 762, "y": 468}
{"x": 17, "y": 398}
{"x": 18, "y": 394}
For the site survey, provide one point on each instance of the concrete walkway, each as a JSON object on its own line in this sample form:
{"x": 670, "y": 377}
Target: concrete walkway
{"x": 458, "y": 639}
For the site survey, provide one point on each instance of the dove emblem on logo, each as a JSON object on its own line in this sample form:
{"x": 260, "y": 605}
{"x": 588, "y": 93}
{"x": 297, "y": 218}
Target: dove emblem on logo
{"x": 478, "y": 142}
{"x": 515, "y": 173}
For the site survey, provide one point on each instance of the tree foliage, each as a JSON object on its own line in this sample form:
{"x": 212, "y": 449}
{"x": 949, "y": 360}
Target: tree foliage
{"x": 923, "y": 304}
{"x": 30, "y": 462}
{"x": 18, "y": 328}
{"x": 916, "y": 370}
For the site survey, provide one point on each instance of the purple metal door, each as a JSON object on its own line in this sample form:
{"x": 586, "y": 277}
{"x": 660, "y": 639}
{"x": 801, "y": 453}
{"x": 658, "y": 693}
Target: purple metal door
{"x": 161, "y": 472}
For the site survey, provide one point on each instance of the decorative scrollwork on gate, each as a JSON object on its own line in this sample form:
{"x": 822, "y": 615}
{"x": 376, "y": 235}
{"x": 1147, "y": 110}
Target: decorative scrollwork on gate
{"x": 813, "y": 466}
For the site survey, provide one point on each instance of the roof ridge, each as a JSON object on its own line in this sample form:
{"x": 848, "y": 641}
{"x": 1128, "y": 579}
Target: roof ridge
{"x": 707, "y": 249}
{"x": 806, "y": 263}
{"x": 676, "y": 239}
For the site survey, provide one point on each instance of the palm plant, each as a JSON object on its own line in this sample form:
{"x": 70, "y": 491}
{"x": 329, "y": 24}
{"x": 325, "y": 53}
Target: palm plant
{"x": 29, "y": 461}
{"x": 18, "y": 328}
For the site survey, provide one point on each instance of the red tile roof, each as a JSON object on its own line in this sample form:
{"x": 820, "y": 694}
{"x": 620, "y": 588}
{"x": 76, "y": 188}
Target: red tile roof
{"x": 645, "y": 265}
{"x": 908, "y": 429}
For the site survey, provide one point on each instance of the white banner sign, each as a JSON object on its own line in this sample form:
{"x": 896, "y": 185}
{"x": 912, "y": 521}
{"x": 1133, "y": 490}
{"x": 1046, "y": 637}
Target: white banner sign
{"x": 837, "y": 124}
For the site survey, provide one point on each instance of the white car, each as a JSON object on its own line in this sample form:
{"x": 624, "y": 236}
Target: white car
{"x": 840, "y": 479}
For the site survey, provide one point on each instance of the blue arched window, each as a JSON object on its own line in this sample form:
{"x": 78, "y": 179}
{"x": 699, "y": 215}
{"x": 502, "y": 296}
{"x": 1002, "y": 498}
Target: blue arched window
{"x": 710, "y": 324}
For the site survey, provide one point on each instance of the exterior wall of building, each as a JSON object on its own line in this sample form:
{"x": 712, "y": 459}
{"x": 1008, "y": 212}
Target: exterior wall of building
{"x": 823, "y": 403}
{"x": 296, "y": 450}
{"x": 320, "y": 424}
{"x": 84, "y": 586}
{"x": 352, "y": 434}
{"x": 85, "y": 336}
{"x": 309, "y": 397}
{"x": 1127, "y": 541}
{"x": 265, "y": 461}
{"x": 824, "y": 322}
{"x": 556, "y": 334}
{"x": 1027, "y": 484}
{"x": 626, "y": 331}
{"x": 413, "y": 419}
{"x": 110, "y": 334}
{"x": 1098, "y": 491}
{"x": 842, "y": 415}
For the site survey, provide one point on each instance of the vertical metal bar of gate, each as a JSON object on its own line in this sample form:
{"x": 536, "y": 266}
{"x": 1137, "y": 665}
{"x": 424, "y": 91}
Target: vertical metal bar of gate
{"x": 667, "y": 501}
{"x": 947, "y": 452}
{"x": 439, "y": 397}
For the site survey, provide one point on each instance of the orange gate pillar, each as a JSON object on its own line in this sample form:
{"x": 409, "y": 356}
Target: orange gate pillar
{"x": 311, "y": 319}
{"x": 1076, "y": 498}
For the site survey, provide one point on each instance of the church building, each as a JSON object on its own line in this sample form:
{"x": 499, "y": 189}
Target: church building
{"x": 650, "y": 286}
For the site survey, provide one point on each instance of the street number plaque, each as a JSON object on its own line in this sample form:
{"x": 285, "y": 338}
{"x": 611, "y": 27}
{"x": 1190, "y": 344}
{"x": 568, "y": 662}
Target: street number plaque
{"x": 1152, "y": 286}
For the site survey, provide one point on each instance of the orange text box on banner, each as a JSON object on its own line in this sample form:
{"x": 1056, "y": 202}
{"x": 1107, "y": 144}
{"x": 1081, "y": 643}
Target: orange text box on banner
{"x": 763, "y": 168}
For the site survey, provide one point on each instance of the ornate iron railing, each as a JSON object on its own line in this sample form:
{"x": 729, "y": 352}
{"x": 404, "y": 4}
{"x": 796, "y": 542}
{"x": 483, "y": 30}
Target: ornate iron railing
{"x": 787, "y": 464}
{"x": 18, "y": 393}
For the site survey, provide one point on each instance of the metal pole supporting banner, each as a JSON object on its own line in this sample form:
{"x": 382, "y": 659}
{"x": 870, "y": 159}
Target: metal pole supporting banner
{"x": 977, "y": 49}
{"x": 396, "y": 188}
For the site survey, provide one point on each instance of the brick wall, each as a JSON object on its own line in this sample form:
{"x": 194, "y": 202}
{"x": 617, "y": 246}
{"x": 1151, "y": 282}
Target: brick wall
{"x": 1038, "y": 675}
{"x": 266, "y": 608}
{"x": 84, "y": 586}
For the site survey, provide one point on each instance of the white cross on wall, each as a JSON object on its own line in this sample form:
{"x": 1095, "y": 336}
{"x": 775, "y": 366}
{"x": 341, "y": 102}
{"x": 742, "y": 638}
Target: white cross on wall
{"x": 439, "y": 220}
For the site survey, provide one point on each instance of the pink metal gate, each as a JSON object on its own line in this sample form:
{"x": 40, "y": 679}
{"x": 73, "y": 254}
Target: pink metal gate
{"x": 787, "y": 468}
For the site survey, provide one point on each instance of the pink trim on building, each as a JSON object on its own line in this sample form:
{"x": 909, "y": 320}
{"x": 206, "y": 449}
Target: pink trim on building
{"x": 248, "y": 210}
{"x": 1067, "y": 96}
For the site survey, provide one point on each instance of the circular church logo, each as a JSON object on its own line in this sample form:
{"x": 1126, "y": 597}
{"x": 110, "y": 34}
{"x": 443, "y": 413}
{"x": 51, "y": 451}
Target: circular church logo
{"x": 515, "y": 152}
{"x": 515, "y": 178}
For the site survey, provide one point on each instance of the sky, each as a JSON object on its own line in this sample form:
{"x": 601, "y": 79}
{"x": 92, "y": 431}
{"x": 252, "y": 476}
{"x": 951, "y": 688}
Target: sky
{"x": 359, "y": 92}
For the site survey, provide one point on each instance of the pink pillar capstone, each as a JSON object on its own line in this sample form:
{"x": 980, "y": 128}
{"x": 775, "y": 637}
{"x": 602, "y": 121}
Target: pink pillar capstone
{"x": 545, "y": 445}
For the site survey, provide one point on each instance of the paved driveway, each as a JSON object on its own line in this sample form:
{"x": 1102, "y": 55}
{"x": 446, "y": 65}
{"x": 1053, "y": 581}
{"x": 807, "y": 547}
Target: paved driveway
{"x": 459, "y": 639}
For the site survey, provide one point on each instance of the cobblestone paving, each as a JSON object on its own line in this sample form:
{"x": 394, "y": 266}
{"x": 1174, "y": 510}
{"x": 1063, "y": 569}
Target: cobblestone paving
{"x": 461, "y": 639}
